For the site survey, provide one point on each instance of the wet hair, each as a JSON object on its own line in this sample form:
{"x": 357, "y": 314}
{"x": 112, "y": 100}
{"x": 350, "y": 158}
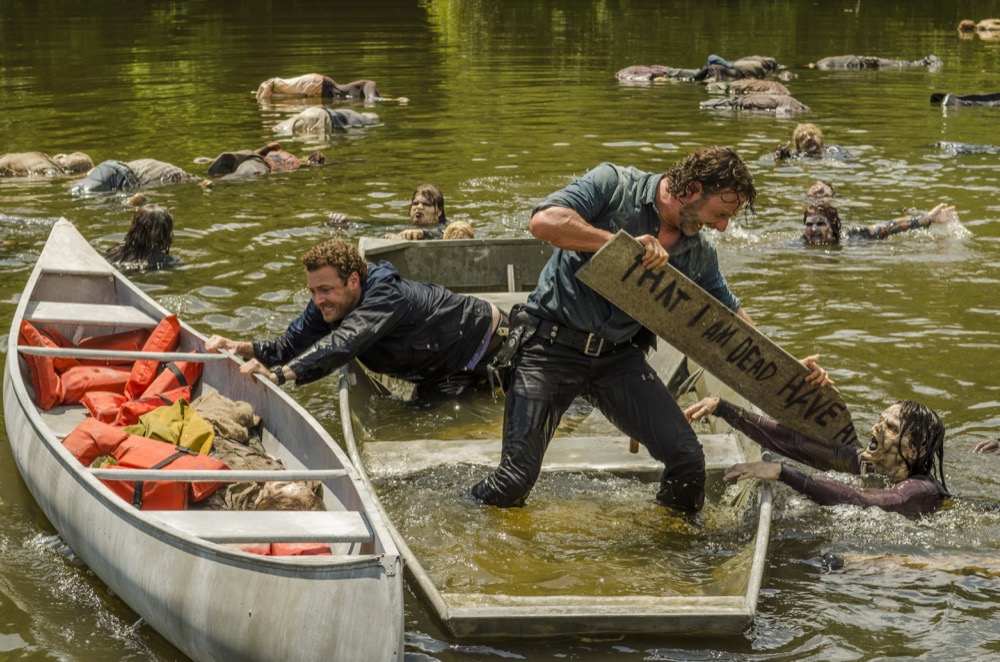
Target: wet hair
{"x": 432, "y": 193}
{"x": 717, "y": 169}
{"x": 820, "y": 190}
{"x": 152, "y": 232}
{"x": 459, "y": 230}
{"x": 828, "y": 211}
{"x": 926, "y": 432}
{"x": 805, "y": 131}
{"x": 339, "y": 254}
{"x": 290, "y": 495}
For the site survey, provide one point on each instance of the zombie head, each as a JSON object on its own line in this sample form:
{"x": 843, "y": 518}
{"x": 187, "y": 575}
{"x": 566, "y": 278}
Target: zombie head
{"x": 808, "y": 140}
{"x": 821, "y": 224}
{"x": 907, "y": 440}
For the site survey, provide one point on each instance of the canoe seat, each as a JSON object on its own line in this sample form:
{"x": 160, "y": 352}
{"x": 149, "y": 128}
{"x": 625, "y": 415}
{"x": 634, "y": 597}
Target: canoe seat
{"x": 248, "y": 526}
{"x": 88, "y": 314}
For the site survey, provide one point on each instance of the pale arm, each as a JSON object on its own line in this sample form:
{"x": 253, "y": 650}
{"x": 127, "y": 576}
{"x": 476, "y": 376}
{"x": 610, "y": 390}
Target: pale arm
{"x": 986, "y": 446}
{"x": 758, "y": 470}
{"x": 941, "y": 214}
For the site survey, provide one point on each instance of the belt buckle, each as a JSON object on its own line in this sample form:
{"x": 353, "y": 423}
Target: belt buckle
{"x": 600, "y": 345}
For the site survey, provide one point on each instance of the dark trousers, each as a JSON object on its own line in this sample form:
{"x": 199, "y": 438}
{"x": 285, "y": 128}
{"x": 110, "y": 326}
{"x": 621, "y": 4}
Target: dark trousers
{"x": 547, "y": 377}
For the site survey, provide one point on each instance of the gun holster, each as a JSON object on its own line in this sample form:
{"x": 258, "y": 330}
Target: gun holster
{"x": 523, "y": 325}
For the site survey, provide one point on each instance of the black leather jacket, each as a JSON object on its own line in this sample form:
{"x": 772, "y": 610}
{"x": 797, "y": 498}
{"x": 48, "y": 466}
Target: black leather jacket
{"x": 415, "y": 331}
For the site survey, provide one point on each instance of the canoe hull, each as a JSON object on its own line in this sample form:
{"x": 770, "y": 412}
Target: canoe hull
{"x": 215, "y": 602}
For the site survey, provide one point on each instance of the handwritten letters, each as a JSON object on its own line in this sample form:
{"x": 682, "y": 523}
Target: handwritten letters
{"x": 680, "y": 312}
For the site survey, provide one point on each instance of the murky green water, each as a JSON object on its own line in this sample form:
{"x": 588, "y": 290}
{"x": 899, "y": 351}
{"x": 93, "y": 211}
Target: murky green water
{"x": 578, "y": 535}
{"x": 509, "y": 101}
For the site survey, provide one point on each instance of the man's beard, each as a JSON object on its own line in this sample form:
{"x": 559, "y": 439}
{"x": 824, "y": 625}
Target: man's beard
{"x": 689, "y": 223}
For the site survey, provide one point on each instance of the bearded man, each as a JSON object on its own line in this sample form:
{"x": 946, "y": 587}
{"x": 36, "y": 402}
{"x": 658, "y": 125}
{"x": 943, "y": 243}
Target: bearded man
{"x": 906, "y": 448}
{"x": 568, "y": 340}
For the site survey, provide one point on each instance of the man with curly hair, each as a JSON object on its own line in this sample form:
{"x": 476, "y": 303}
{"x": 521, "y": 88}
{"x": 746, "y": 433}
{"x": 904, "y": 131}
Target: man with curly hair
{"x": 419, "y": 332}
{"x": 569, "y": 340}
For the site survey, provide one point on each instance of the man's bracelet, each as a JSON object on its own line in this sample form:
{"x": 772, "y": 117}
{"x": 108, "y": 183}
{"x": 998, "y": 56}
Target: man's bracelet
{"x": 279, "y": 374}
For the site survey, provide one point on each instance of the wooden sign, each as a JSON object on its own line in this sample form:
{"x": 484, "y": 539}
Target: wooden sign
{"x": 671, "y": 305}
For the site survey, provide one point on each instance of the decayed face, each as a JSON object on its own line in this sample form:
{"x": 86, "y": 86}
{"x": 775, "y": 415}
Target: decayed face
{"x": 423, "y": 211}
{"x": 811, "y": 146}
{"x": 334, "y": 297}
{"x": 818, "y": 230}
{"x": 883, "y": 452}
{"x": 713, "y": 211}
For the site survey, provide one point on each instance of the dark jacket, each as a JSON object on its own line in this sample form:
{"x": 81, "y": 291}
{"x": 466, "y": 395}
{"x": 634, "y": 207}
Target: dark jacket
{"x": 415, "y": 331}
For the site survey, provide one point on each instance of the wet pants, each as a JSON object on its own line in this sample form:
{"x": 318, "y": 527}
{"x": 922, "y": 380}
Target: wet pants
{"x": 547, "y": 377}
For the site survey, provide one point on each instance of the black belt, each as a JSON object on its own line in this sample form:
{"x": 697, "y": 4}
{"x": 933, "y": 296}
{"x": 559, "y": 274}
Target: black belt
{"x": 585, "y": 343}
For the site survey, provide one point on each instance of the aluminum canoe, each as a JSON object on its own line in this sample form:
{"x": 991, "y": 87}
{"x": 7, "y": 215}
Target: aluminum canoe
{"x": 179, "y": 570}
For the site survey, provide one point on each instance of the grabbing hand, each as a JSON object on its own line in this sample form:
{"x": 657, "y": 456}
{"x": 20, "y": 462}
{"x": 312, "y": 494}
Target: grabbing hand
{"x": 218, "y": 343}
{"x": 701, "y": 409}
{"x": 759, "y": 470}
{"x": 255, "y": 367}
{"x": 817, "y": 376}
{"x": 943, "y": 213}
{"x": 412, "y": 234}
{"x": 656, "y": 255}
{"x": 782, "y": 152}
{"x": 986, "y": 446}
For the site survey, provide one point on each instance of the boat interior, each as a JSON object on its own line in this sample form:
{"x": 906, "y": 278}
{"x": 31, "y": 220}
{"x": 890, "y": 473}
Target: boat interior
{"x": 83, "y": 303}
{"x": 543, "y": 570}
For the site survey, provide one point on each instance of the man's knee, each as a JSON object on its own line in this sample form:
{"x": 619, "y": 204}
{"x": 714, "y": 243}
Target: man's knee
{"x": 685, "y": 495}
{"x": 683, "y": 486}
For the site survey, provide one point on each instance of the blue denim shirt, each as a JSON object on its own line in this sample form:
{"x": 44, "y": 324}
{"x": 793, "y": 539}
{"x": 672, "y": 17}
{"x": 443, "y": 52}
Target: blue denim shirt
{"x": 614, "y": 198}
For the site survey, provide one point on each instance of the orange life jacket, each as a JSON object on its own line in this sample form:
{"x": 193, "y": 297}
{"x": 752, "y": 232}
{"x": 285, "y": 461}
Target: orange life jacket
{"x": 105, "y": 405}
{"x": 164, "y": 338}
{"x": 173, "y": 383}
{"x": 176, "y": 374}
{"x": 79, "y": 380}
{"x": 45, "y": 380}
{"x": 92, "y": 438}
{"x": 289, "y": 549}
{"x": 151, "y": 495}
{"x": 115, "y": 409}
{"x": 52, "y": 338}
{"x": 58, "y": 381}
{"x": 127, "y": 341}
